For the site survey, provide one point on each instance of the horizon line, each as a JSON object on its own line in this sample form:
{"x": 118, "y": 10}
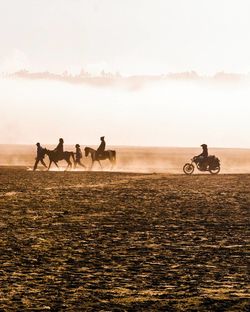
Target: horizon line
{"x": 126, "y": 146}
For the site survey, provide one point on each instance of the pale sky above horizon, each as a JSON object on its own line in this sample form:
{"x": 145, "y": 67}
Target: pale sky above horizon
{"x": 130, "y": 37}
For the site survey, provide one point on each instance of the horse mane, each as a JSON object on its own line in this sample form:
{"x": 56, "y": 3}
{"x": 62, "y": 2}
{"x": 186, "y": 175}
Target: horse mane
{"x": 47, "y": 150}
{"x": 90, "y": 149}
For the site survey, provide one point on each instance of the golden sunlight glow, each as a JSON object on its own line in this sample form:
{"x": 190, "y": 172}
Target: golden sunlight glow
{"x": 163, "y": 113}
{"x": 125, "y": 38}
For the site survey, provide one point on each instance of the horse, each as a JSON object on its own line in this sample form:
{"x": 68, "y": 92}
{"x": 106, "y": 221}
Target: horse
{"x": 110, "y": 155}
{"x": 54, "y": 157}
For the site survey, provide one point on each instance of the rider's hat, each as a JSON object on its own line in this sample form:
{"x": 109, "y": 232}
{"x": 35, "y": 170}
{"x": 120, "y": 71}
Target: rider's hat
{"x": 77, "y": 145}
{"x": 37, "y": 144}
{"x": 102, "y": 137}
{"x": 203, "y": 145}
{"x": 61, "y": 139}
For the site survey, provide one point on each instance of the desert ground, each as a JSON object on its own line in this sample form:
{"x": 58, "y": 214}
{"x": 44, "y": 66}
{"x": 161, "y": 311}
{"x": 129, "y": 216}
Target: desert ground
{"x": 120, "y": 241}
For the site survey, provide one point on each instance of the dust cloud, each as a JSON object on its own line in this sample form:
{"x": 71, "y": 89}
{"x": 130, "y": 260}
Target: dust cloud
{"x": 136, "y": 159}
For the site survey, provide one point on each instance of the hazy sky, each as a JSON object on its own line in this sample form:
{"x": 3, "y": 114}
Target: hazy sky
{"x": 132, "y": 37}
{"x": 171, "y": 113}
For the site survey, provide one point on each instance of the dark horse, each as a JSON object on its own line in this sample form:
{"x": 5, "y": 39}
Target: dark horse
{"x": 110, "y": 155}
{"x": 54, "y": 157}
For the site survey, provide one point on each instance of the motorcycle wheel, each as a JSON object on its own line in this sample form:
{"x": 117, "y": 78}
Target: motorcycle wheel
{"x": 215, "y": 171}
{"x": 188, "y": 168}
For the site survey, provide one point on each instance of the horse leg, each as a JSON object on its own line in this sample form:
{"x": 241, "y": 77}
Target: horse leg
{"x": 74, "y": 160}
{"x": 92, "y": 164}
{"x": 69, "y": 165}
{"x": 100, "y": 163}
{"x": 55, "y": 162}
{"x": 50, "y": 162}
{"x": 42, "y": 161}
{"x": 82, "y": 165}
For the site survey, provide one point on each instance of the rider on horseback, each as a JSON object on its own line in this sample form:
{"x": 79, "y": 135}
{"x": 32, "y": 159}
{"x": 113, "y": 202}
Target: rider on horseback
{"x": 101, "y": 148}
{"x": 59, "y": 148}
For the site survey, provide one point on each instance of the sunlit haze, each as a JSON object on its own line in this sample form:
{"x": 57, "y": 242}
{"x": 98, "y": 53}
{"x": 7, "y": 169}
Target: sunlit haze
{"x": 126, "y": 38}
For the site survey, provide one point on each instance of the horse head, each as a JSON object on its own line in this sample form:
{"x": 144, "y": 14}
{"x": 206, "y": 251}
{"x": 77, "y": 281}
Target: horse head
{"x": 86, "y": 151}
{"x": 47, "y": 152}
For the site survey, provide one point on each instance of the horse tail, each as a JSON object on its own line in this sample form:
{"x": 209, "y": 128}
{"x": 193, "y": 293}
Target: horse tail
{"x": 73, "y": 157}
{"x": 114, "y": 157}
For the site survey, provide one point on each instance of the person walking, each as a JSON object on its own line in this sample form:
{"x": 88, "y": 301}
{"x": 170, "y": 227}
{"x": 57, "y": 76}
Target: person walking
{"x": 40, "y": 156}
{"x": 78, "y": 156}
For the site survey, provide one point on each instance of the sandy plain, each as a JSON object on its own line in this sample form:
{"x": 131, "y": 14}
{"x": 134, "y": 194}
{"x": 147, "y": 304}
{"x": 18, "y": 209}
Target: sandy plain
{"x": 111, "y": 241}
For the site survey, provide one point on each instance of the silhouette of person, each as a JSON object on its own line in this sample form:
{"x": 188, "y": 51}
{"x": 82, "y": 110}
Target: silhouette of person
{"x": 40, "y": 156}
{"x": 78, "y": 156}
{"x": 59, "y": 148}
{"x": 101, "y": 148}
{"x": 204, "y": 155}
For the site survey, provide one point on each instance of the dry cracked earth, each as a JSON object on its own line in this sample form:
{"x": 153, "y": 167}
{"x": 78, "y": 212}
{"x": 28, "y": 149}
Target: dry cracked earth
{"x": 108, "y": 241}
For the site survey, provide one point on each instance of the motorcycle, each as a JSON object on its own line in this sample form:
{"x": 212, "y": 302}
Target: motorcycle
{"x": 211, "y": 164}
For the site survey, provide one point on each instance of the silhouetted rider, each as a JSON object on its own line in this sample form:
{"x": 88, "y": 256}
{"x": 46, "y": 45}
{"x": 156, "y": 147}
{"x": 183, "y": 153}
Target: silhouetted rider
{"x": 204, "y": 155}
{"x": 101, "y": 147}
{"x": 59, "y": 148}
{"x": 39, "y": 156}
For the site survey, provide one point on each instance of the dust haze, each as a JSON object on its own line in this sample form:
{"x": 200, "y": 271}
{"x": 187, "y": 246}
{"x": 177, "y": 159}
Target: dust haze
{"x": 179, "y": 113}
{"x": 136, "y": 159}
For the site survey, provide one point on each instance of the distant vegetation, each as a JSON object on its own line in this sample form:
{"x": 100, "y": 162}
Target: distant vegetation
{"x": 108, "y": 78}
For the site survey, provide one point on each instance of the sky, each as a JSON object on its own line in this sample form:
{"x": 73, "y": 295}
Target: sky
{"x": 132, "y": 37}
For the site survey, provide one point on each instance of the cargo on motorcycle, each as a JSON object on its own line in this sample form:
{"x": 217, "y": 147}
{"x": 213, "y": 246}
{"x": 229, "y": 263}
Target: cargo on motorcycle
{"x": 203, "y": 162}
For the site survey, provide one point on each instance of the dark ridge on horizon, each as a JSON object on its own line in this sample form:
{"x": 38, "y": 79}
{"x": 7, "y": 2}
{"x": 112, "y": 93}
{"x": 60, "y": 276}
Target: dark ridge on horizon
{"x": 109, "y": 79}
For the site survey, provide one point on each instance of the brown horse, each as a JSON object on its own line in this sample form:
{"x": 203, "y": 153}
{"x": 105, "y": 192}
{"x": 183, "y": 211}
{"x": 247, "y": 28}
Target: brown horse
{"x": 55, "y": 157}
{"x": 110, "y": 155}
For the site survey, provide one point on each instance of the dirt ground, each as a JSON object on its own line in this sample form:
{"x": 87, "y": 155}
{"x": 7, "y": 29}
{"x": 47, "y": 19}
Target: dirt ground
{"x": 109, "y": 241}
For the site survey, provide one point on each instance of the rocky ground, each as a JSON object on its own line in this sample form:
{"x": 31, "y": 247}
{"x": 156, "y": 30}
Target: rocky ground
{"x": 108, "y": 241}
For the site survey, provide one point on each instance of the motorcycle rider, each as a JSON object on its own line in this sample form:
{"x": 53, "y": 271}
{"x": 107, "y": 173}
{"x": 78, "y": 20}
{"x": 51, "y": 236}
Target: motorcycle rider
{"x": 203, "y": 156}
